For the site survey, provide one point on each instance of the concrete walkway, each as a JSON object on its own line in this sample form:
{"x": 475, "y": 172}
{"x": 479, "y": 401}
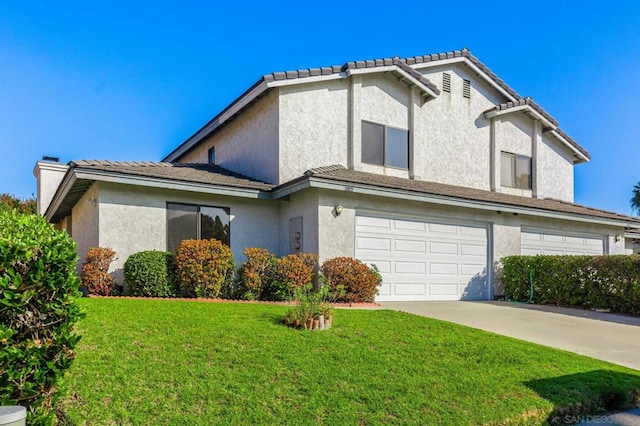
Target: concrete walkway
{"x": 612, "y": 338}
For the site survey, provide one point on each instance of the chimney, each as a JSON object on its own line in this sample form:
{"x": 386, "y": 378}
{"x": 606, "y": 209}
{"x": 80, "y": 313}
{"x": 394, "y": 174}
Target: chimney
{"x": 49, "y": 173}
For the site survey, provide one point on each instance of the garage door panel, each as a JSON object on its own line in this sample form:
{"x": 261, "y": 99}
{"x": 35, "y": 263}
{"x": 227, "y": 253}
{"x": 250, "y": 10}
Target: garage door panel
{"x": 554, "y": 243}
{"x": 424, "y": 260}
{"x": 416, "y": 268}
{"x": 409, "y": 246}
{"x": 436, "y": 268}
{"x": 443, "y": 248}
{"x": 409, "y": 289}
{"x": 376, "y": 244}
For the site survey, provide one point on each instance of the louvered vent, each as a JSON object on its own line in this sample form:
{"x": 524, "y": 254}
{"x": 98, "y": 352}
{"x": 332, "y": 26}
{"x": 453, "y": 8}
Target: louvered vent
{"x": 466, "y": 88}
{"x": 446, "y": 82}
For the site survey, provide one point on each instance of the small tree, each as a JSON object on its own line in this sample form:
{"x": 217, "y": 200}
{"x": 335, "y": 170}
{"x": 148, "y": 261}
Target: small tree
{"x": 11, "y": 202}
{"x": 635, "y": 199}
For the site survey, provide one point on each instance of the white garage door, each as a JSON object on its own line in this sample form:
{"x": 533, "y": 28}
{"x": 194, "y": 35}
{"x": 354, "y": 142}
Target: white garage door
{"x": 424, "y": 260}
{"x": 534, "y": 242}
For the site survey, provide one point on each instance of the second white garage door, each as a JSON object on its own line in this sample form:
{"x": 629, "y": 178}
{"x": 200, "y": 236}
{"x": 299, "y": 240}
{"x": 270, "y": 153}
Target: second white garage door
{"x": 536, "y": 242}
{"x": 422, "y": 260}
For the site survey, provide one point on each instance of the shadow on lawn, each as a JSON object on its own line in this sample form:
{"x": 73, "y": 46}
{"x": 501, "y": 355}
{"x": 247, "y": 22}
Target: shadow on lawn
{"x": 594, "y": 392}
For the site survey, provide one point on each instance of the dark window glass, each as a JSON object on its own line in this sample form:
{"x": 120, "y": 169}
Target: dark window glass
{"x": 212, "y": 156}
{"x": 192, "y": 222}
{"x": 515, "y": 171}
{"x": 214, "y": 223}
{"x": 182, "y": 224}
{"x": 396, "y": 152}
{"x": 372, "y": 143}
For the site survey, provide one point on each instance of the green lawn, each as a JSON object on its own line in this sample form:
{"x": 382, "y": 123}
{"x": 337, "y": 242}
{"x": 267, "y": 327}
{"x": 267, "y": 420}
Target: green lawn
{"x": 171, "y": 362}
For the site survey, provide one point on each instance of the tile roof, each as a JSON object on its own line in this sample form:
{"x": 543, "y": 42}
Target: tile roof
{"x": 529, "y": 102}
{"x": 196, "y": 173}
{"x": 341, "y": 174}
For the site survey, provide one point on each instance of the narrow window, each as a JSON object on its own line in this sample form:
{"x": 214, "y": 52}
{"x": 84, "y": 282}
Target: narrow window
{"x": 515, "y": 171}
{"x": 212, "y": 155}
{"x": 384, "y": 145}
{"x": 194, "y": 222}
{"x": 446, "y": 82}
{"x": 466, "y": 88}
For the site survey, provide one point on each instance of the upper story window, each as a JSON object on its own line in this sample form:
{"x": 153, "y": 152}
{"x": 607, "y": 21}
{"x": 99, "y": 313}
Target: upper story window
{"x": 515, "y": 170}
{"x": 212, "y": 155}
{"x": 194, "y": 222}
{"x": 384, "y": 145}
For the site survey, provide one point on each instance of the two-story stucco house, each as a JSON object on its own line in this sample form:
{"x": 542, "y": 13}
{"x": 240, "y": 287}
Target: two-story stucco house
{"x": 430, "y": 167}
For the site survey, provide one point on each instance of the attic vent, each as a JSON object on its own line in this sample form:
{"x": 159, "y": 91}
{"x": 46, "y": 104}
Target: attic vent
{"x": 466, "y": 88}
{"x": 446, "y": 82}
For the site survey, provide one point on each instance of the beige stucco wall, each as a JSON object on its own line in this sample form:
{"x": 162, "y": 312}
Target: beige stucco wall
{"x": 48, "y": 176}
{"x": 85, "y": 223}
{"x": 248, "y": 144}
{"x": 554, "y": 170}
{"x": 313, "y": 127}
{"x": 133, "y": 219}
{"x": 513, "y": 134}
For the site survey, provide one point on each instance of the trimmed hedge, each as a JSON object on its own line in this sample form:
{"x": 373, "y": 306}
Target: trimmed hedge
{"x": 205, "y": 268}
{"x": 591, "y": 282}
{"x": 38, "y": 284}
{"x": 351, "y": 280}
{"x": 151, "y": 274}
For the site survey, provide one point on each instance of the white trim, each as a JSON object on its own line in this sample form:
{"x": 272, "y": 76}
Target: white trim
{"x": 58, "y": 197}
{"x": 416, "y": 82}
{"x": 303, "y": 80}
{"x": 527, "y": 108}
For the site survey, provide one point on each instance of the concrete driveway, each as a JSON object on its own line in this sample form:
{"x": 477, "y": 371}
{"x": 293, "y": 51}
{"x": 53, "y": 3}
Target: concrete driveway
{"x": 612, "y": 338}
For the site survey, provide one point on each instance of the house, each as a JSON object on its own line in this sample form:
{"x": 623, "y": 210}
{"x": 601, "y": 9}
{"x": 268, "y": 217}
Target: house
{"x": 430, "y": 167}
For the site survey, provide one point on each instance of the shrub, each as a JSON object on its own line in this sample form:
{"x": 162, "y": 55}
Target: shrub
{"x": 95, "y": 271}
{"x": 256, "y": 273}
{"x": 151, "y": 274}
{"x": 205, "y": 267}
{"x": 291, "y": 272}
{"x": 11, "y": 202}
{"x": 358, "y": 282}
{"x": 611, "y": 282}
{"x": 38, "y": 284}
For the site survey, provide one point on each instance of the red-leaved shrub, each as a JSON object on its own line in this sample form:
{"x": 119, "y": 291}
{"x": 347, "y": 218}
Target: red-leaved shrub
{"x": 358, "y": 282}
{"x": 256, "y": 273}
{"x": 205, "y": 268}
{"x": 95, "y": 271}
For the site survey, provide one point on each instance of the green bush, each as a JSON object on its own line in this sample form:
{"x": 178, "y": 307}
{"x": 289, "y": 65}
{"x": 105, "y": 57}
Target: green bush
{"x": 592, "y": 282}
{"x": 38, "y": 284}
{"x": 255, "y": 275}
{"x": 205, "y": 268}
{"x": 151, "y": 274}
{"x": 353, "y": 280}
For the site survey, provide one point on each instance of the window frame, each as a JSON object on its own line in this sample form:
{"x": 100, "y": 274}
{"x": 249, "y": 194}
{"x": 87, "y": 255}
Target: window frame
{"x": 514, "y": 166}
{"x": 384, "y": 145}
{"x": 199, "y": 207}
{"x": 211, "y": 155}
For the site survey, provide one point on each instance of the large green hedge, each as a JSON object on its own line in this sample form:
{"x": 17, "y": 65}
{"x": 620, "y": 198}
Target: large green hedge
{"x": 38, "y": 285}
{"x": 151, "y": 273}
{"x": 594, "y": 282}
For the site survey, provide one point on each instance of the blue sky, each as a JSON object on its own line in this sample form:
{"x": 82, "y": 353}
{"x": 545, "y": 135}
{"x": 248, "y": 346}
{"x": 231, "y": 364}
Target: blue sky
{"x": 131, "y": 80}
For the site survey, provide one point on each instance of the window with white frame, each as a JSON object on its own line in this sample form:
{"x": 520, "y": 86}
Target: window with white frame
{"x": 515, "y": 170}
{"x": 195, "y": 222}
{"x": 385, "y": 145}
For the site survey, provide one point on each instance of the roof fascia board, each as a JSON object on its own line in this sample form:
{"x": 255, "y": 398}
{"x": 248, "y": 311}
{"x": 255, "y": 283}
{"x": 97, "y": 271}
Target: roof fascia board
{"x": 168, "y": 184}
{"x": 458, "y": 202}
{"x": 526, "y": 108}
{"x": 415, "y": 82}
{"x": 233, "y": 109}
{"x": 568, "y": 145}
{"x": 471, "y": 65}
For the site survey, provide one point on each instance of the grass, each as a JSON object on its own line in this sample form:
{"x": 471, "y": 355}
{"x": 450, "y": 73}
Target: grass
{"x": 172, "y": 362}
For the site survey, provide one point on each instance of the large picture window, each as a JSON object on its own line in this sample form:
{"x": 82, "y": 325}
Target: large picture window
{"x": 195, "y": 222}
{"x": 384, "y": 145}
{"x": 515, "y": 171}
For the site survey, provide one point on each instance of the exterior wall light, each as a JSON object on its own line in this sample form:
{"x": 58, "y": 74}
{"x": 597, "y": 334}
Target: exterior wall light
{"x": 618, "y": 237}
{"x": 338, "y": 209}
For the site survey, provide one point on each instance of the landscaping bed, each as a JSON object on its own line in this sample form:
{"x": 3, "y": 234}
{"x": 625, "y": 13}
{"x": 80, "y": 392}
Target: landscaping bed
{"x": 175, "y": 362}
